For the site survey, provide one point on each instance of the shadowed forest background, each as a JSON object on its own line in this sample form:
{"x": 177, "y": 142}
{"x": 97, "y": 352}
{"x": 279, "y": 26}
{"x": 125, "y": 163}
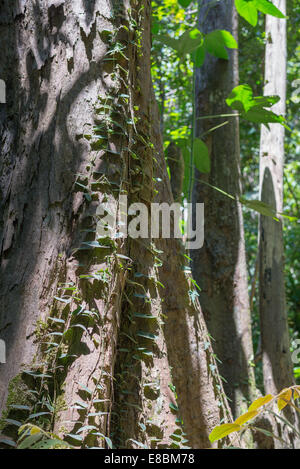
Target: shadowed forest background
{"x": 139, "y": 343}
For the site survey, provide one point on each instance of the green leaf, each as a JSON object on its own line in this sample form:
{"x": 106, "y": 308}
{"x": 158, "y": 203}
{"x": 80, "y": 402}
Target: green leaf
{"x": 37, "y": 375}
{"x": 7, "y": 441}
{"x": 58, "y": 320}
{"x": 246, "y": 417}
{"x": 138, "y": 443}
{"x": 88, "y": 428}
{"x": 268, "y": 8}
{"x": 63, "y": 300}
{"x": 264, "y": 116}
{"x": 216, "y": 42}
{"x": 155, "y": 27}
{"x": 185, "y": 3}
{"x": 201, "y": 156}
{"x": 50, "y": 443}
{"x": 144, "y": 316}
{"x": 265, "y": 101}
{"x": 241, "y": 98}
{"x": 55, "y": 334}
{"x": 253, "y": 108}
{"x": 284, "y": 398}
{"x": 259, "y": 207}
{"x": 30, "y": 440}
{"x": 188, "y": 42}
{"x": 108, "y": 442}
{"x": 75, "y": 437}
{"x": 38, "y": 414}
{"x": 94, "y": 244}
{"x": 16, "y": 423}
{"x": 86, "y": 389}
{"x": 80, "y": 326}
{"x": 174, "y": 407}
{"x": 199, "y": 56}
{"x": 261, "y": 401}
{"x": 247, "y": 9}
{"x": 19, "y": 407}
{"x": 147, "y": 335}
{"x": 126, "y": 258}
{"x": 223, "y": 430}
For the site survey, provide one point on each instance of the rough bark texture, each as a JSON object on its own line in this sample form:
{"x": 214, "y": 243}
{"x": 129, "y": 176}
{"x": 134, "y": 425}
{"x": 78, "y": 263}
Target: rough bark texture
{"x": 54, "y": 69}
{"x": 277, "y": 363}
{"x": 220, "y": 266}
{"x": 68, "y": 65}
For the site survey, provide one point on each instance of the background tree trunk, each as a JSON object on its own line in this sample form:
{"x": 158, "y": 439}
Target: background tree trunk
{"x": 69, "y": 301}
{"x": 220, "y": 266}
{"x": 277, "y": 363}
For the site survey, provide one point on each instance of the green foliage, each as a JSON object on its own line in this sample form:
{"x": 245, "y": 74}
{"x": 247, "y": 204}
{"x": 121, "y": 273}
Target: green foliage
{"x": 201, "y": 156}
{"x": 253, "y": 108}
{"x": 258, "y": 408}
{"x": 34, "y": 437}
{"x": 188, "y": 42}
{"x": 215, "y": 43}
{"x": 185, "y": 3}
{"x": 195, "y": 43}
{"x": 248, "y": 9}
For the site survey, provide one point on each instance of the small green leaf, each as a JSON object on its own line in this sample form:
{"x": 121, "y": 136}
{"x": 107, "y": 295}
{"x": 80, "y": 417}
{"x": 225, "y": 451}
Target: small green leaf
{"x": 13, "y": 422}
{"x": 108, "y": 442}
{"x": 185, "y": 3}
{"x": 187, "y": 43}
{"x": 86, "y": 389}
{"x": 144, "y": 316}
{"x": 260, "y": 402}
{"x": 19, "y": 407}
{"x": 268, "y": 8}
{"x": 199, "y": 56}
{"x": 263, "y": 116}
{"x": 80, "y": 326}
{"x": 63, "y": 300}
{"x": 223, "y": 430}
{"x": 247, "y": 9}
{"x": 7, "y": 441}
{"x": 46, "y": 444}
{"x": 201, "y": 156}
{"x": 259, "y": 207}
{"x": 253, "y": 108}
{"x": 88, "y": 428}
{"x": 246, "y": 417}
{"x": 75, "y": 437}
{"x": 216, "y": 42}
{"x": 241, "y": 98}
{"x": 174, "y": 407}
{"x": 146, "y": 335}
{"x": 58, "y": 320}
{"x": 284, "y": 398}
{"x": 38, "y": 414}
{"x": 30, "y": 440}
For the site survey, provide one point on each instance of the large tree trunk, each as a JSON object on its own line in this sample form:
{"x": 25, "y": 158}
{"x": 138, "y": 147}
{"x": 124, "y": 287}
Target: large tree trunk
{"x": 69, "y": 65}
{"x": 277, "y": 363}
{"x": 220, "y": 266}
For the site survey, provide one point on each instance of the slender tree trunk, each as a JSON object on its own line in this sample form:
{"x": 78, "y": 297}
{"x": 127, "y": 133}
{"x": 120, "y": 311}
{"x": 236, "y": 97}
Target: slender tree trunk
{"x": 96, "y": 333}
{"x": 274, "y": 328}
{"x": 277, "y": 363}
{"x": 220, "y": 266}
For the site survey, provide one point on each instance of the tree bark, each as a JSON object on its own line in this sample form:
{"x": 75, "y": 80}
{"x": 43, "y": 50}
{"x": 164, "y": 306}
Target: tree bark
{"x": 277, "y": 363}
{"x": 219, "y": 266}
{"x": 69, "y": 305}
